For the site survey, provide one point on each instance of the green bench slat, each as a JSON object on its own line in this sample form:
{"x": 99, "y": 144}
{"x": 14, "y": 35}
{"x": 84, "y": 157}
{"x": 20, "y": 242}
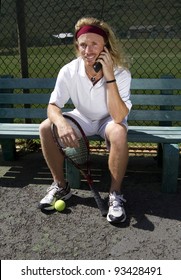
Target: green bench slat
{"x": 27, "y": 83}
{"x": 135, "y": 134}
{"x": 30, "y": 83}
{"x": 19, "y": 131}
{"x": 25, "y": 98}
{"x": 139, "y": 115}
{"x": 154, "y": 134}
{"x": 153, "y": 115}
{"x": 156, "y": 99}
{"x": 22, "y": 113}
{"x": 25, "y": 113}
{"x": 153, "y": 84}
{"x": 43, "y": 98}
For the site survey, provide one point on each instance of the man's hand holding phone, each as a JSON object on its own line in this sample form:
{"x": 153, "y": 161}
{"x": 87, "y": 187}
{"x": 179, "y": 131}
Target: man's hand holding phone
{"x": 105, "y": 62}
{"x": 97, "y": 65}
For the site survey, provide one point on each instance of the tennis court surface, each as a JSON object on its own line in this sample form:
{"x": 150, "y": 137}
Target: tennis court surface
{"x": 152, "y": 229}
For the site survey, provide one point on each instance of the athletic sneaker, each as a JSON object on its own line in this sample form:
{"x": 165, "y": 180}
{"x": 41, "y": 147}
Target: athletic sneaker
{"x": 116, "y": 213}
{"x": 54, "y": 192}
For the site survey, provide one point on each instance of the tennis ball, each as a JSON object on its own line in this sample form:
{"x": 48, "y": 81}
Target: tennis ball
{"x": 60, "y": 205}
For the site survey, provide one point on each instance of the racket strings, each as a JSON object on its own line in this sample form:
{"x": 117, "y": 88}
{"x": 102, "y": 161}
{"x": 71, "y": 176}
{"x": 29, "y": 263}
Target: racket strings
{"x": 79, "y": 154}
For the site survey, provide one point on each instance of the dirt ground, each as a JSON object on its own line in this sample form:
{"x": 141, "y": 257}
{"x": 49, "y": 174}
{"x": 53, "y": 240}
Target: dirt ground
{"x": 152, "y": 229}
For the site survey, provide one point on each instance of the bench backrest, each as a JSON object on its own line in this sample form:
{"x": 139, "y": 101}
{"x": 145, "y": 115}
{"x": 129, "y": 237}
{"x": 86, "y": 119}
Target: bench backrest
{"x": 163, "y": 105}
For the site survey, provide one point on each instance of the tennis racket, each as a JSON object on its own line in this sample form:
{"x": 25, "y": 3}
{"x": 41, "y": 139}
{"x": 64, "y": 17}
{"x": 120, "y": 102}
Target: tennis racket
{"x": 79, "y": 157}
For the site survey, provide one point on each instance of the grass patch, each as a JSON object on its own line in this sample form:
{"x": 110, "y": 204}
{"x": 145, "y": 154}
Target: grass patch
{"x": 149, "y": 58}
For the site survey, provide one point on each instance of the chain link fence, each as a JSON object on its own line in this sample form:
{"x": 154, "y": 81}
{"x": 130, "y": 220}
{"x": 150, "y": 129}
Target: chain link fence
{"x": 150, "y": 32}
{"x": 37, "y": 36}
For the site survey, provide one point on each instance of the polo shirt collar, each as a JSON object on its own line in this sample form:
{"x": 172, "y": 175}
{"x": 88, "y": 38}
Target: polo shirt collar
{"x": 82, "y": 72}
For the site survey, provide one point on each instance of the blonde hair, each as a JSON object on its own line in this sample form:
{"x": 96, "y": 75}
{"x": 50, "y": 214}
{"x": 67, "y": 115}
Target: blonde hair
{"x": 116, "y": 51}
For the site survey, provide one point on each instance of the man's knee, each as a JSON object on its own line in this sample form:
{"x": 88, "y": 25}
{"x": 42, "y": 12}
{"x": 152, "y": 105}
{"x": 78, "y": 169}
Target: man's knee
{"x": 117, "y": 134}
{"x": 44, "y": 127}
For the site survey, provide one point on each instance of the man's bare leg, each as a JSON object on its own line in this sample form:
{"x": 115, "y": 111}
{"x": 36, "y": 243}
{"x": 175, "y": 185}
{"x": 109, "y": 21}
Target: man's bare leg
{"x": 118, "y": 156}
{"x": 118, "y": 159}
{"x": 52, "y": 155}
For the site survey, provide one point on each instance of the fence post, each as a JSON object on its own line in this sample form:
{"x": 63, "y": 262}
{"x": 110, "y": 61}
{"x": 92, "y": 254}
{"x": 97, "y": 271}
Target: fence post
{"x": 7, "y": 145}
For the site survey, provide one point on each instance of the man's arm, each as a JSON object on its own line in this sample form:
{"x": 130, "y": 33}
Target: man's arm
{"x": 116, "y": 106}
{"x": 65, "y": 131}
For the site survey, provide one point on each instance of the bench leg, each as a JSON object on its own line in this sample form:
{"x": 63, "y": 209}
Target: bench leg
{"x": 72, "y": 175}
{"x": 170, "y": 168}
{"x": 160, "y": 155}
{"x": 8, "y": 149}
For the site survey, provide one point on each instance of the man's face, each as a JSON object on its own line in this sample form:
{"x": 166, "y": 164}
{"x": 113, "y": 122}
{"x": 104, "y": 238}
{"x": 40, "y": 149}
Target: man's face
{"x": 90, "y": 45}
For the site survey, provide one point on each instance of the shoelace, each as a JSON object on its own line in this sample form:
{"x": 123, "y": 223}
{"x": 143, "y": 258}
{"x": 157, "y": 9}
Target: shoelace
{"x": 121, "y": 198}
{"x": 117, "y": 201}
{"x": 54, "y": 186}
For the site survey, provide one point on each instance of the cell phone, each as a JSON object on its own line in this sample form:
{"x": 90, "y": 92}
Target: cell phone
{"x": 97, "y": 67}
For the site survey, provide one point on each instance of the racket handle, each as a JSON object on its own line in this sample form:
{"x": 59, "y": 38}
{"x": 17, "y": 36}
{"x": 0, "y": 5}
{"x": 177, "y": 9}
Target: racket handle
{"x": 100, "y": 203}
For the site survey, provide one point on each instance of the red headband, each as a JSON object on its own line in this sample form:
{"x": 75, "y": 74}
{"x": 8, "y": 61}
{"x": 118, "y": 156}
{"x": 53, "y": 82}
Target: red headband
{"x": 91, "y": 29}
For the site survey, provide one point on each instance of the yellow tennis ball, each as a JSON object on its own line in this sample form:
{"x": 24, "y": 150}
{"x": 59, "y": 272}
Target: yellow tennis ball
{"x": 60, "y": 205}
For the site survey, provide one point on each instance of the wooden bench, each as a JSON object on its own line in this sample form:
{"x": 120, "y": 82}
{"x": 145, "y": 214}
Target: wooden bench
{"x": 161, "y": 108}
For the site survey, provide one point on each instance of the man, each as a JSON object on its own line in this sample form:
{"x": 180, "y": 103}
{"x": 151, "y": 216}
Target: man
{"x": 102, "y": 103}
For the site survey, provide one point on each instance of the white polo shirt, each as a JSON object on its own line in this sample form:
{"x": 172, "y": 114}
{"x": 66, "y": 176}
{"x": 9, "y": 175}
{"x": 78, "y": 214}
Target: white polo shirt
{"x": 90, "y": 100}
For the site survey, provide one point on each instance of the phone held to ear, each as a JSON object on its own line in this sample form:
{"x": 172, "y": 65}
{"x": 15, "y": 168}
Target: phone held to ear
{"x": 97, "y": 67}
